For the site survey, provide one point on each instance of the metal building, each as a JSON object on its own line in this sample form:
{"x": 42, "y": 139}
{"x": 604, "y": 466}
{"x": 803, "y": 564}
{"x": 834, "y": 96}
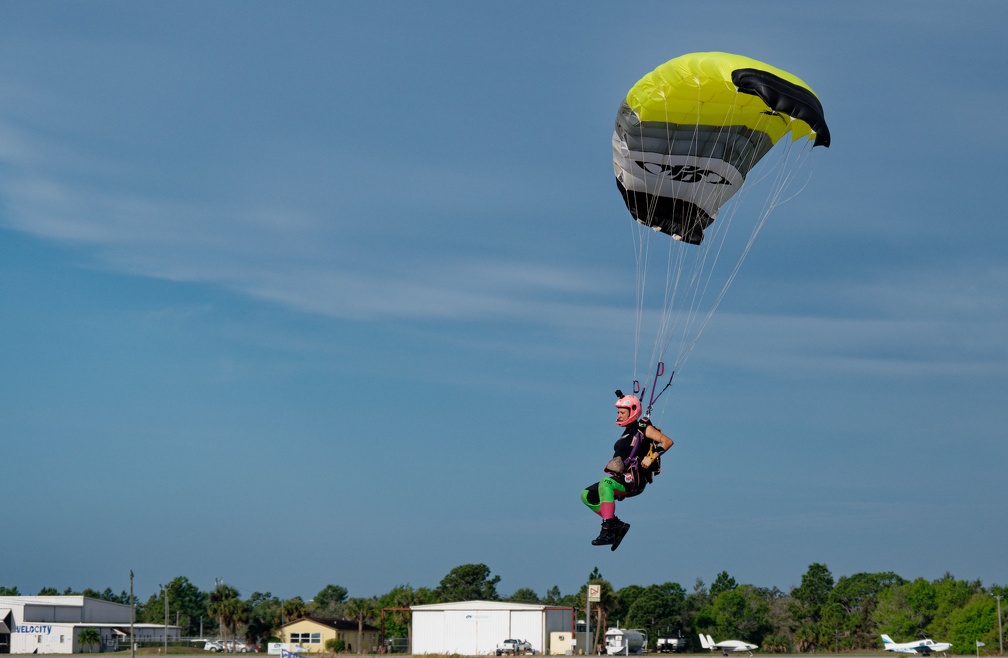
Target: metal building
{"x": 51, "y": 624}
{"x": 473, "y": 628}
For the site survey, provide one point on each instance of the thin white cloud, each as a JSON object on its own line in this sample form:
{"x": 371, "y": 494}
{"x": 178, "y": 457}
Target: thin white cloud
{"x": 279, "y": 254}
{"x": 911, "y": 326}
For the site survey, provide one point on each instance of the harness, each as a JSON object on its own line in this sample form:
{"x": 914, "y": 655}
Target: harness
{"x": 633, "y": 468}
{"x": 634, "y": 471}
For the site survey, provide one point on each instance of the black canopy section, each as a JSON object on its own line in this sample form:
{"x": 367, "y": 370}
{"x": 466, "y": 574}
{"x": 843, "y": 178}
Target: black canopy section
{"x": 787, "y": 97}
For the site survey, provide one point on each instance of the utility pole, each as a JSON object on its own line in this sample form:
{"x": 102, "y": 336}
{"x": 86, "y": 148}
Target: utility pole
{"x": 1000, "y": 632}
{"x": 132, "y": 610}
{"x": 594, "y": 594}
{"x": 163, "y": 587}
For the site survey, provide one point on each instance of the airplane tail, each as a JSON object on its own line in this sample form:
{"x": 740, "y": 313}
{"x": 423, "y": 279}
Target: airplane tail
{"x": 711, "y": 642}
{"x": 886, "y": 639}
{"x": 703, "y": 642}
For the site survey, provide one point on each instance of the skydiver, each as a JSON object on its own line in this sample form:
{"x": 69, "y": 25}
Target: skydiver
{"x": 636, "y": 460}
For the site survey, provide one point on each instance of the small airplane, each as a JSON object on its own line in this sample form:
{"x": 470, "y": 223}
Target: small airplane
{"x": 707, "y": 642}
{"x": 926, "y": 646}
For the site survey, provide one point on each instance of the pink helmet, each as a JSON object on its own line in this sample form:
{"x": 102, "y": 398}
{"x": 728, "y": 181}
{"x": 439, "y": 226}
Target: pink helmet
{"x": 631, "y": 404}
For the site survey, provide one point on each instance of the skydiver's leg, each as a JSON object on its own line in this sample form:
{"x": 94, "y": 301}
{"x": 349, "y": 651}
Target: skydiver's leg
{"x": 601, "y": 497}
{"x": 590, "y": 497}
{"x": 609, "y": 489}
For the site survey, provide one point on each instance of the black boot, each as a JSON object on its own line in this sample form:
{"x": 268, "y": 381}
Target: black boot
{"x": 606, "y": 535}
{"x": 619, "y": 532}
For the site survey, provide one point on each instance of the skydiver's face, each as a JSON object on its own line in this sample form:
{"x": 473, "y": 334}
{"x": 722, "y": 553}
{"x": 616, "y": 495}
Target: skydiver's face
{"x": 622, "y": 413}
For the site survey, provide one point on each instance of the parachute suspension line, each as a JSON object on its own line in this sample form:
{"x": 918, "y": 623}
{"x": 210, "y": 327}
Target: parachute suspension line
{"x": 684, "y": 322}
{"x": 787, "y": 174}
{"x": 783, "y": 174}
{"x": 640, "y": 255}
{"x": 707, "y": 263}
{"x": 694, "y": 319}
{"x": 644, "y": 255}
{"x": 681, "y": 277}
{"x": 641, "y": 249}
{"x": 707, "y": 257}
{"x": 667, "y": 319}
{"x": 673, "y": 268}
{"x": 684, "y": 266}
{"x": 642, "y": 252}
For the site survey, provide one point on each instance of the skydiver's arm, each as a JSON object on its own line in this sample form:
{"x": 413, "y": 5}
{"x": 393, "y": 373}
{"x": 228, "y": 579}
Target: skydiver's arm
{"x": 656, "y": 435}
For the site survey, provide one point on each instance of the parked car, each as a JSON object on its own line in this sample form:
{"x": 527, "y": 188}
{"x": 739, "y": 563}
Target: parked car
{"x": 396, "y": 645}
{"x": 514, "y": 648}
{"x": 237, "y": 647}
{"x": 670, "y": 644}
{"x": 214, "y": 646}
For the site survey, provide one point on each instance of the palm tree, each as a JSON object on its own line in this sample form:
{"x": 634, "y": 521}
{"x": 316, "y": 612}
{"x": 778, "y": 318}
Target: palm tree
{"x": 221, "y": 608}
{"x": 361, "y": 609}
{"x": 237, "y": 613}
{"x": 89, "y": 637}
{"x": 406, "y": 598}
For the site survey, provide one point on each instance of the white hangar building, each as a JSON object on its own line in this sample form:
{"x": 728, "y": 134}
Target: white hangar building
{"x": 474, "y": 628}
{"x": 51, "y": 624}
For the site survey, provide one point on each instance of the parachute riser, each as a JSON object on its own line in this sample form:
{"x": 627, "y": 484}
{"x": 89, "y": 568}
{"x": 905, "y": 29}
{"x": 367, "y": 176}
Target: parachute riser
{"x": 659, "y": 371}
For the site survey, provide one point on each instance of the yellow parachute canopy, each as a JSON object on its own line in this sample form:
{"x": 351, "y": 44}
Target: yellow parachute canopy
{"x": 689, "y": 131}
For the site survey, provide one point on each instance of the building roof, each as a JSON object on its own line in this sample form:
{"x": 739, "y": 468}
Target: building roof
{"x": 336, "y": 624}
{"x": 480, "y": 605}
{"x": 64, "y": 599}
{"x": 68, "y": 600}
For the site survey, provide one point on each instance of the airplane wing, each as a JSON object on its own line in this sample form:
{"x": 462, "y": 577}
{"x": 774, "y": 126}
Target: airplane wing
{"x": 926, "y": 646}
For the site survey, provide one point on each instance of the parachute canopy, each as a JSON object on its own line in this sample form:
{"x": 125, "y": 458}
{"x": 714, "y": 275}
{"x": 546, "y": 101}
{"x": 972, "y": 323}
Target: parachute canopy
{"x": 699, "y": 155}
{"x": 688, "y": 133}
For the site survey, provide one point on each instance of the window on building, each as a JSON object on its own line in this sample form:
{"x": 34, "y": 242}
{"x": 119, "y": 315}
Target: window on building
{"x": 306, "y": 638}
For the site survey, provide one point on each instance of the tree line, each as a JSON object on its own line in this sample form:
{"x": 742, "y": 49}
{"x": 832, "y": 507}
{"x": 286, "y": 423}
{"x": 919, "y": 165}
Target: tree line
{"x": 819, "y": 615}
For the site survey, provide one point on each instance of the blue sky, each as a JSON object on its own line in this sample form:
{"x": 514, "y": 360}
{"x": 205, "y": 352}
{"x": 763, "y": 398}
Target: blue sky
{"x": 311, "y": 293}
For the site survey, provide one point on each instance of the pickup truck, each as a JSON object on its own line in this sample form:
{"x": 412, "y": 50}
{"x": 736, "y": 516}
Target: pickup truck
{"x": 514, "y": 648}
{"x": 669, "y": 644}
